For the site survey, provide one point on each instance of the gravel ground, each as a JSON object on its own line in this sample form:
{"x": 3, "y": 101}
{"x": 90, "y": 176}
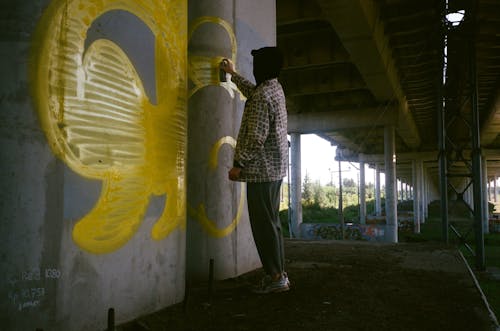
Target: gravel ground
{"x": 339, "y": 285}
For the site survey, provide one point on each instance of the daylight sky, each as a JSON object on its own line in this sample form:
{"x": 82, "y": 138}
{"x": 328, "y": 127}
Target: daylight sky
{"x": 318, "y": 160}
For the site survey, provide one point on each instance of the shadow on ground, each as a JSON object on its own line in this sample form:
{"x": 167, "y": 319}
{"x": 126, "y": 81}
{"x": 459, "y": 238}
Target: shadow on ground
{"x": 339, "y": 286}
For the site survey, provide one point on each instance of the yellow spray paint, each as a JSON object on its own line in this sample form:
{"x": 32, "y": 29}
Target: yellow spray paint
{"x": 200, "y": 212}
{"x": 99, "y": 121}
{"x": 203, "y": 70}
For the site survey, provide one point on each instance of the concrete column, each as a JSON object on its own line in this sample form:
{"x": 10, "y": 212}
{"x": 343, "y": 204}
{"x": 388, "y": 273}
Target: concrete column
{"x": 218, "y": 226}
{"x": 421, "y": 191}
{"x": 362, "y": 191}
{"x": 378, "y": 206}
{"x": 87, "y": 223}
{"x": 495, "y": 189}
{"x": 399, "y": 188}
{"x": 485, "y": 196}
{"x": 488, "y": 189}
{"x": 416, "y": 194}
{"x": 426, "y": 195}
{"x": 391, "y": 234}
{"x": 296, "y": 184}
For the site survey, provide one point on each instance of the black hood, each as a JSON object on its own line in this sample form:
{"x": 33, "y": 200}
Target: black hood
{"x": 267, "y": 63}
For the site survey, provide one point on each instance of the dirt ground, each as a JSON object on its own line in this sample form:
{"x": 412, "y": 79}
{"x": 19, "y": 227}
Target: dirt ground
{"x": 339, "y": 286}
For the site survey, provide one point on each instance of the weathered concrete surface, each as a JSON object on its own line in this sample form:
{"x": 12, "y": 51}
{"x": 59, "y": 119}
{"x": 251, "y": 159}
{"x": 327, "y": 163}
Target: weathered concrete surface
{"x": 215, "y": 204}
{"x": 48, "y": 282}
{"x": 52, "y": 283}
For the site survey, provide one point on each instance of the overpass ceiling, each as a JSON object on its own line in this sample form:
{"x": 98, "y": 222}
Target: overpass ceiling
{"x": 381, "y": 61}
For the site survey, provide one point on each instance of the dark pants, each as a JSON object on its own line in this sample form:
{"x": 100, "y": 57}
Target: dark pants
{"x": 263, "y": 209}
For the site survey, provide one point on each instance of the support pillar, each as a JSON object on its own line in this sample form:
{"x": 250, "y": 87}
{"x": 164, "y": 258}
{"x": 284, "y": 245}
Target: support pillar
{"x": 378, "y": 206}
{"x": 391, "y": 234}
{"x": 488, "y": 189}
{"x": 296, "y": 185}
{"x": 362, "y": 191}
{"x": 416, "y": 195}
{"x": 421, "y": 190}
{"x": 495, "y": 188}
{"x": 426, "y": 194}
{"x": 218, "y": 226}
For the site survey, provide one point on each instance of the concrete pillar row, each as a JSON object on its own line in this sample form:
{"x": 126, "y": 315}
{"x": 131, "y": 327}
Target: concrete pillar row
{"x": 296, "y": 184}
{"x": 391, "y": 234}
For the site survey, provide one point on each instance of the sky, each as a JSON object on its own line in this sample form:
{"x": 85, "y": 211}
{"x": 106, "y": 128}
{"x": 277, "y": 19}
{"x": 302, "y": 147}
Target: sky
{"x": 318, "y": 161}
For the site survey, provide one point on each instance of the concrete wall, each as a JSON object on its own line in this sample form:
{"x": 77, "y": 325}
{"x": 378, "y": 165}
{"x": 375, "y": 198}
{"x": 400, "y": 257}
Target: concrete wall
{"x": 93, "y": 130}
{"x": 218, "y": 226}
{"x": 81, "y": 232}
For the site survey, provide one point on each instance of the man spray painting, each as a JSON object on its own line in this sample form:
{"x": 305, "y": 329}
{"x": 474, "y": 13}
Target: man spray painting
{"x": 261, "y": 160}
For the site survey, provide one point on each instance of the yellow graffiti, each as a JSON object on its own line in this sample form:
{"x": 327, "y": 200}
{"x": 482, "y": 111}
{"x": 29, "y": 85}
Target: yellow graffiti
{"x": 98, "y": 120}
{"x": 204, "y": 70}
{"x": 200, "y": 212}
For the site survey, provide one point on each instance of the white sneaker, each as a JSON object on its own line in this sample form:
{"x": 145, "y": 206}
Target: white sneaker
{"x": 287, "y": 280}
{"x": 269, "y": 286}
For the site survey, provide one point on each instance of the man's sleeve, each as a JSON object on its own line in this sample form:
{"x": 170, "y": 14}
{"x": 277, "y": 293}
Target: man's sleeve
{"x": 244, "y": 85}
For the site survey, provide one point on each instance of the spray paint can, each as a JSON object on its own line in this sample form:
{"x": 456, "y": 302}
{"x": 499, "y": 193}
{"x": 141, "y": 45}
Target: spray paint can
{"x": 222, "y": 72}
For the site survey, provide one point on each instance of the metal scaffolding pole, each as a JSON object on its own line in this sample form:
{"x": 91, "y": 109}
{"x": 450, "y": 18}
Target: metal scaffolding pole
{"x": 454, "y": 163}
{"x": 443, "y": 180}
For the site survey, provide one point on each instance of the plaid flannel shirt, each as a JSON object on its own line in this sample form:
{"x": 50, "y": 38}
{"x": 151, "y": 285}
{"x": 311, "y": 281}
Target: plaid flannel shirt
{"x": 262, "y": 145}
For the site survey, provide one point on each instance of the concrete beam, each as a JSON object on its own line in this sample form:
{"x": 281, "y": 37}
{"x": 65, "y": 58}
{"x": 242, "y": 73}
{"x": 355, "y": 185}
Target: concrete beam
{"x": 339, "y": 120}
{"x": 351, "y": 156}
{"x": 361, "y": 32}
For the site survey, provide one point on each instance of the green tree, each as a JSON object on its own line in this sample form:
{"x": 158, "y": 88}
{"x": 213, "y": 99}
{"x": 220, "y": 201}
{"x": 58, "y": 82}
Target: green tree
{"x": 307, "y": 191}
{"x": 332, "y": 197}
{"x": 349, "y": 182}
{"x": 319, "y": 195}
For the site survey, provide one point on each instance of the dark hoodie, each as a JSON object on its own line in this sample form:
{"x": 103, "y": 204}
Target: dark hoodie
{"x": 267, "y": 63}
